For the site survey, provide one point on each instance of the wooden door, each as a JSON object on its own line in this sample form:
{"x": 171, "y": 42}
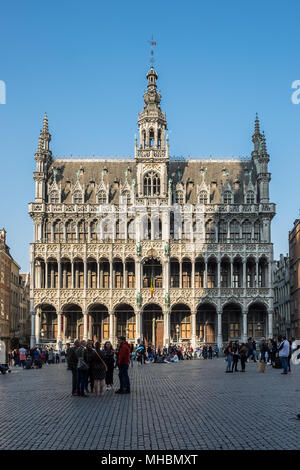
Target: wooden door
{"x": 159, "y": 340}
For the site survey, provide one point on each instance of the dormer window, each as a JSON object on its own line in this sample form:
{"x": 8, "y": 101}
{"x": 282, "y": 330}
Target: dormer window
{"x": 250, "y": 197}
{"x": 203, "y": 197}
{"x": 77, "y": 197}
{"x": 101, "y": 197}
{"x": 54, "y": 197}
{"x": 227, "y": 197}
{"x": 179, "y": 197}
{"x": 126, "y": 197}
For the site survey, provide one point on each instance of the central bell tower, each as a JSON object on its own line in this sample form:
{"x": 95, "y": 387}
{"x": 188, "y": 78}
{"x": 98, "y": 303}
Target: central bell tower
{"x": 152, "y": 150}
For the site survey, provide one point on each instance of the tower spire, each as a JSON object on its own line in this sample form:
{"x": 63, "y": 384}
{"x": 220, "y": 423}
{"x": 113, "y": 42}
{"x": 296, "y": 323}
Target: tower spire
{"x": 256, "y": 125}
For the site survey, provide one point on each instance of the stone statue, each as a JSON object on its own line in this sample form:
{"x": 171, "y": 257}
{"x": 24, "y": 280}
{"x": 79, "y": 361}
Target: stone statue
{"x": 167, "y": 299}
{"x": 138, "y": 249}
{"x": 167, "y": 248}
{"x": 139, "y": 299}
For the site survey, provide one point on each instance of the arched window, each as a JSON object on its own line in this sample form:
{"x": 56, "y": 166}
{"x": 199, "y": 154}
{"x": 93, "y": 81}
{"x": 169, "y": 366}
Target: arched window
{"x": 151, "y": 137}
{"x": 227, "y": 197}
{"x": 223, "y": 231}
{"x": 144, "y": 139}
{"x": 77, "y": 197}
{"x": 54, "y": 197}
{"x": 94, "y": 230}
{"x": 159, "y": 139}
{"x": 58, "y": 231}
{"x": 203, "y": 197}
{"x": 250, "y": 197}
{"x": 179, "y": 197}
{"x": 71, "y": 231}
{"x": 101, "y": 197}
{"x": 234, "y": 230}
{"x": 257, "y": 231}
{"x": 151, "y": 184}
{"x": 210, "y": 231}
{"x": 246, "y": 231}
{"x": 82, "y": 231}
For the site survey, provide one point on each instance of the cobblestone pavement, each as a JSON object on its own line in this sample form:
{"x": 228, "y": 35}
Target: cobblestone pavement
{"x": 189, "y": 405}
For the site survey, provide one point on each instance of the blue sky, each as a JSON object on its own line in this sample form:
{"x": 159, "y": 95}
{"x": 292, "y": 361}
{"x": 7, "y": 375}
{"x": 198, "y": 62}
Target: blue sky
{"x": 85, "y": 63}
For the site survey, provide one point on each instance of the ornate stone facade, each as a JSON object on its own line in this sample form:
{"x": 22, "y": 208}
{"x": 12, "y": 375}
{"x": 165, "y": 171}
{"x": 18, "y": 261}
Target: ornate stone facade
{"x": 152, "y": 248}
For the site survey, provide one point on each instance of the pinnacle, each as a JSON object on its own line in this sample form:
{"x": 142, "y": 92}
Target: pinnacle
{"x": 256, "y": 125}
{"x": 45, "y": 123}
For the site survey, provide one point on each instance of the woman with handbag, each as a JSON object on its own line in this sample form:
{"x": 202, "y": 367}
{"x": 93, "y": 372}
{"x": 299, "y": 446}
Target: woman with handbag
{"x": 99, "y": 369}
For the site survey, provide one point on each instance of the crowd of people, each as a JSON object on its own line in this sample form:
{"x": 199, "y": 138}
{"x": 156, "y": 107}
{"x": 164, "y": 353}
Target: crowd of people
{"x": 274, "y": 351}
{"x": 30, "y": 357}
{"x": 92, "y": 366}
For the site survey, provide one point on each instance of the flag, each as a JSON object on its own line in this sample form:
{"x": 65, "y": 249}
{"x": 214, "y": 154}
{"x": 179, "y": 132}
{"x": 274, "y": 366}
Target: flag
{"x": 151, "y": 288}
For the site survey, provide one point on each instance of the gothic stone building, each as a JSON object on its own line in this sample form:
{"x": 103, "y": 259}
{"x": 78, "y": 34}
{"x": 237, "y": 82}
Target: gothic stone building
{"x": 151, "y": 248}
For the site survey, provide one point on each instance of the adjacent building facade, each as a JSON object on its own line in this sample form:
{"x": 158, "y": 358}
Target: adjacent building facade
{"x": 294, "y": 255}
{"x": 281, "y": 284}
{"x": 14, "y": 300}
{"x": 151, "y": 248}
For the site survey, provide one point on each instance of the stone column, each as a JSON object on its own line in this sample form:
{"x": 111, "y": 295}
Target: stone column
{"x": 180, "y": 274}
{"x": 124, "y": 275}
{"x": 244, "y": 334}
{"x": 85, "y": 326}
{"x": 167, "y": 328}
{"x": 193, "y": 273}
{"x": 137, "y": 326}
{"x": 244, "y": 274}
{"x": 72, "y": 274}
{"x": 46, "y": 274}
{"x": 270, "y": 324}
{"x": 219, "y": 334}
{"x": 193, "y": 330}
{"x": 205, "y": 275}
{"x": 231, "y": 274}
{"x": 32, "y": 338}
{"x": 58, "y": 327}
{"x": 38, "y": 326}
{"x": 98, "y": 274}
{"x": 256, "y": 273}
{"x": 137, "y": 276}
{"x": 111, "y": 273}
{"x": 219, "y": 274}
{"x": 111, "y": 328}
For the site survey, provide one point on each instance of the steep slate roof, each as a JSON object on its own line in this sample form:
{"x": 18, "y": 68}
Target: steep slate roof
{"x": 188, "y": 172}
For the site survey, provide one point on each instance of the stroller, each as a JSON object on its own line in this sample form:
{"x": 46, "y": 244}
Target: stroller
{"x": 28, "y": 363}
{"x": 4, "y": 368}
{"x": 38, "y": 363}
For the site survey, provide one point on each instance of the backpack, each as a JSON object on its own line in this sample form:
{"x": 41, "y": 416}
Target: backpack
{"x": 82, "y": 365}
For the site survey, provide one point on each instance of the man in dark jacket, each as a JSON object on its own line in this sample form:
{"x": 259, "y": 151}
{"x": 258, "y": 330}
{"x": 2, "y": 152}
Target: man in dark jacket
{"x": 123, "y": 364}
{"x": 263, "y": 347}
{"x": 72, "y": 365}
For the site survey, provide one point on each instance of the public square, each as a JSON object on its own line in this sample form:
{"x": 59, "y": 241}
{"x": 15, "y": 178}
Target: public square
{"x": 190, "y": 405}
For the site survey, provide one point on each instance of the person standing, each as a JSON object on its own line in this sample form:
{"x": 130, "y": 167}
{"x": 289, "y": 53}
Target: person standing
{"x": 72, "y": 365}
{"x": 22, "y": 353}
{"x": 99, "y": 369}
{"x": 210, "y": 352}
{"x": 263, "y": 348}
{"x": 229, "y": 354}
{"x": 284, "y": 351}
{"x": 217, "y": 350}
{"x": 235, "y": 350}
{"x": 123, "y": 362}
{"x": 89, "y": 376}
{"x": 82, "y": 368}
{"x": 50, "y": 356}
{"x": 243, "y": 355}
{"x": 109, "y": 359}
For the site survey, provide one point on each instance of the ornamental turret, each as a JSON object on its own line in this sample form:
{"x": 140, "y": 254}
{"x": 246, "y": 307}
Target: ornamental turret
{"x": 43, "y": 158}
